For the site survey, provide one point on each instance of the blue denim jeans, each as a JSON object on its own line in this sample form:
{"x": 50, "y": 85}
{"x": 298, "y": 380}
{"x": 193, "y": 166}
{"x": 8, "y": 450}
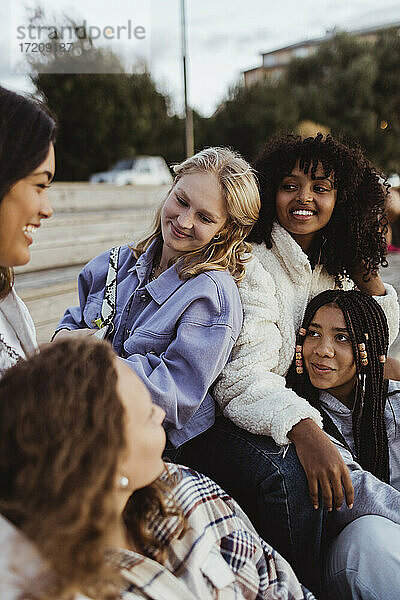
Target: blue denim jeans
{"x": 269, "y": 483}
{"x": 363, "y": 562}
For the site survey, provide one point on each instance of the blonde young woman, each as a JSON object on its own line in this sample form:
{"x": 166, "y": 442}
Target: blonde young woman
{"x": 178, "y": 311}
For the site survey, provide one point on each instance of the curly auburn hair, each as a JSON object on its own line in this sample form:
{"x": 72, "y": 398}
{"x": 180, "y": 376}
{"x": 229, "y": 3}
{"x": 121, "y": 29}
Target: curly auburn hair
{"x": 366, "y": 324}
{"x": 61, "y": 438}
{"x": 239, "y": 189}
{"x": 356, "y": 231}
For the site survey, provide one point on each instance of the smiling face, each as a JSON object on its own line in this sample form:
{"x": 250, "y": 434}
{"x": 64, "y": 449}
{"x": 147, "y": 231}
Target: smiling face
{"x": 328, "y": 354}
{"x": 192, "y": 215}
{"x": 145, "y": 437}
{"x": 304, "y": 205}
{"x": 21, "y": 211}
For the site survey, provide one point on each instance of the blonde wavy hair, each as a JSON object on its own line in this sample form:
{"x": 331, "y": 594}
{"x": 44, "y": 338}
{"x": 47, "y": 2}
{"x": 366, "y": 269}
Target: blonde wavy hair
{"x": 239, "y": 189}
{"x": 62, "y": 434}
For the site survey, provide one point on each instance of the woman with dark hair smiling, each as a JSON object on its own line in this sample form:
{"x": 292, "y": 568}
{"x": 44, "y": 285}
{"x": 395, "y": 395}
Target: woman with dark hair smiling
{"x": 27, "y": 134}
{"x": 321, "y": 226}
{"x": 342, "y": 345}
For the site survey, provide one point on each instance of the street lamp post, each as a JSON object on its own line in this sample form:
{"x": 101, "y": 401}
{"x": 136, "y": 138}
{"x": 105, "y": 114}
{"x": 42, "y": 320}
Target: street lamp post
{"x": 188, "y": 111}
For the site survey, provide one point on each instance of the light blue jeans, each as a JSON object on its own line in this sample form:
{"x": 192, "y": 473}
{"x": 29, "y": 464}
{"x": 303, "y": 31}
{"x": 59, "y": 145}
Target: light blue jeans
{"x": 363, "y": 562}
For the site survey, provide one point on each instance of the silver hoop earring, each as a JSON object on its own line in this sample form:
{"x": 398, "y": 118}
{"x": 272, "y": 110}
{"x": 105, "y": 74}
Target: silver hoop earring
{"x": 217, "y": 237}
{"x": 123, "y": 482}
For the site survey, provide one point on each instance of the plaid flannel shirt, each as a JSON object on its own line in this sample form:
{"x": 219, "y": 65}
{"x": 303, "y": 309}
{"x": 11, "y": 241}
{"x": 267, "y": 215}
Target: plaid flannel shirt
{"x": 219, "y": 557}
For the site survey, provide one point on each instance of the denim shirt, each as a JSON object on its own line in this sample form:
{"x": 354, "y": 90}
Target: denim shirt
{"x": 176, "y": 335}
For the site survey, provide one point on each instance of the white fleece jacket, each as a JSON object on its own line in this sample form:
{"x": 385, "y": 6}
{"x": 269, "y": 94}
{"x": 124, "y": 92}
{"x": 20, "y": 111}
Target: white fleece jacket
{"x": 278, "y": 285}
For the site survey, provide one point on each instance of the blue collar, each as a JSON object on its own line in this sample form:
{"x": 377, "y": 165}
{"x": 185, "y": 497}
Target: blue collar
{"x": 165, "y": 285}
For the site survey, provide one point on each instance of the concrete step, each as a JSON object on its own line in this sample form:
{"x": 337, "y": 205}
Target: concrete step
{"x": 47, "y": 305}
{"x": 78, "y": 197}
{"x": 65, "y": 240}
{"x": 88, "y": 219}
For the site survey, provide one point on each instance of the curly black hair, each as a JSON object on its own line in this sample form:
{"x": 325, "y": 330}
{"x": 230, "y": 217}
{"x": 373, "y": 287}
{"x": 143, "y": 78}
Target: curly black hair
{"x": 357, "y": 228}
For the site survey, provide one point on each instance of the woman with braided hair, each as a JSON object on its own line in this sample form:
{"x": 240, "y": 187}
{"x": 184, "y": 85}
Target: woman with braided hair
{"x": 339, "y": 368}
{"x": 321, "y": 226}
{"x": 363, "y": 332}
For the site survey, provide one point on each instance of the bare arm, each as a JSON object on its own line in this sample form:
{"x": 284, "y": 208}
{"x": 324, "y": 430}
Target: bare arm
{"x": 392, "y": 368}
{"x": 374, "y": 286}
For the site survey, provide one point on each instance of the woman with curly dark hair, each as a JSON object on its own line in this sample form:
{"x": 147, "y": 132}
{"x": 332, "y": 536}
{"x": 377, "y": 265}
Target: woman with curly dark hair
{"x": 88, "y": 507}
{"x": 353, "y": 232}
{"x": 321, "y": 226}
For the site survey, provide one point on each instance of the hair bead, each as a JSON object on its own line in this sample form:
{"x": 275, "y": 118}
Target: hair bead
{"x": 299, "y": 357}
{"x": 302, "y": 331}
{"x": 382, "y": 358}
{"x": 361, "y": 313}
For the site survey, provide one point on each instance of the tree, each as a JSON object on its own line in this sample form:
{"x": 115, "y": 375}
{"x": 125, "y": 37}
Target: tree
{"x": 105, "y": 117}
{"x": 347, "y": 86}
{"x": 247, "y": 118}
{"x": 387, "y": 91}
{"x": 102, "y": 117}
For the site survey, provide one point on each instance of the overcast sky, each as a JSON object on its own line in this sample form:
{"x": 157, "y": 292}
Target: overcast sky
{"x": 224, "y": 36}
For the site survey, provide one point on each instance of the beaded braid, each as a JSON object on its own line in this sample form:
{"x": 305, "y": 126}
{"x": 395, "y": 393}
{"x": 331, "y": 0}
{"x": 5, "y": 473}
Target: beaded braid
{"x": 369, "y": 334}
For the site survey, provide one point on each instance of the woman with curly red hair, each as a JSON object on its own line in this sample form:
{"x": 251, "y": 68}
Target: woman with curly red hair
{"x": 321, "y": 226}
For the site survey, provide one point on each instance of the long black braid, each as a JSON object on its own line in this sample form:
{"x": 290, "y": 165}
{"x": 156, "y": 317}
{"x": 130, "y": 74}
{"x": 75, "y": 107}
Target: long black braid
{"x": 366, "y": 323}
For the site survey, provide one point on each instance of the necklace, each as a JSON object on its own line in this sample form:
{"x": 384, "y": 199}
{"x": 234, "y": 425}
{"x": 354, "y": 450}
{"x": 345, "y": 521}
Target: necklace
{"x": 153, "y": 273}
{"x": 156, "y": 270}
